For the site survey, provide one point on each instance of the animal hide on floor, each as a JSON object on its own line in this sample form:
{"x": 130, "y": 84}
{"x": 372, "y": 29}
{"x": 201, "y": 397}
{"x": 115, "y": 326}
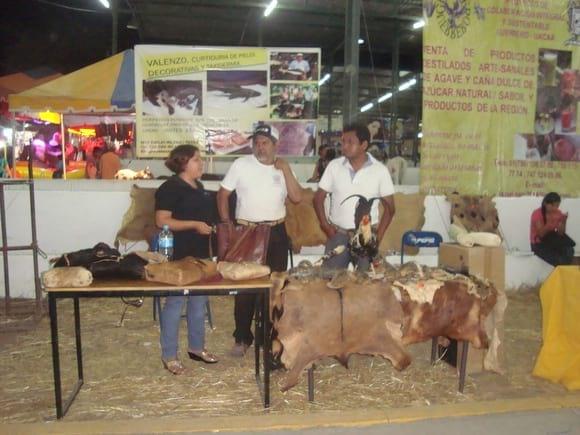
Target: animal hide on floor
{"x": 316, "y": 318}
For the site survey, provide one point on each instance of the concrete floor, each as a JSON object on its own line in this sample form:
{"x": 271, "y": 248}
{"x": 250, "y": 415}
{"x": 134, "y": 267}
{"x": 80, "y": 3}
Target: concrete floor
{"x": 547, "y": 415}
{"x": 560, "y": 422}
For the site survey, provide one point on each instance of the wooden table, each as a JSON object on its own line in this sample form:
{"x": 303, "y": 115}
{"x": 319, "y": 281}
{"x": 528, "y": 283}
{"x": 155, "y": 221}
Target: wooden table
{"x": 132, "y": 288}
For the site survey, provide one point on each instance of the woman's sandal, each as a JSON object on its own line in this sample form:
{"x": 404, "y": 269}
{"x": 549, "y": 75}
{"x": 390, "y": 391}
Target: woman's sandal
{"x": 174, "y": 366}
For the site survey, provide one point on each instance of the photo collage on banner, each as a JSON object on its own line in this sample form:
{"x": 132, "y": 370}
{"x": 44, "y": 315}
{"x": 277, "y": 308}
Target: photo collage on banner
{"x": 213, "y": 97}
{"x": 501, "y": 86}
{"x": 294, "y": 76}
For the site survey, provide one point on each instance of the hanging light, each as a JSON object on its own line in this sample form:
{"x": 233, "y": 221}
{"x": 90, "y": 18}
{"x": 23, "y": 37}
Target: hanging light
{"x": 324, "y": 79}
{"x": 385, "y": 97}
{"x": 270, "y": 7}
{"x": 366, "y": 107}
{"x": 132, "y": 24}
{"x": 105, "y": 3}
{"x": 408, "y": 84}
{"x": 418, "y": 24}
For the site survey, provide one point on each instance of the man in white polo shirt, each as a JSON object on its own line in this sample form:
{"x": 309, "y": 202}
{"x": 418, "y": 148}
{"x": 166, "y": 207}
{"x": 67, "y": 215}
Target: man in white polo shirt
{"x": 262, "y": 182}
{"x": 355, "y": 173}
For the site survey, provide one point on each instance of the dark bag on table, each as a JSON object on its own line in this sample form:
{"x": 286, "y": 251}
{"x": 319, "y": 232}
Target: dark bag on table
{"x": 238, "y": 243}
{"x": 131, "y": 266}
{"x": 85, "y": 257}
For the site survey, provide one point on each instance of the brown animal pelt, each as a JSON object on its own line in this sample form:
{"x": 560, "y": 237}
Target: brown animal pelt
{"x": 409, "y": 215}
{"x": 139, "y": 217}
{"x": 302, "y": 224}
{"x": 475, "y": 213}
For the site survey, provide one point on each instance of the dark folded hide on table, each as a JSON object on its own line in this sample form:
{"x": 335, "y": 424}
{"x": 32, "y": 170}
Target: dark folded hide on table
{"x": 85, "y": 257}
{"x": 131, "y": 266}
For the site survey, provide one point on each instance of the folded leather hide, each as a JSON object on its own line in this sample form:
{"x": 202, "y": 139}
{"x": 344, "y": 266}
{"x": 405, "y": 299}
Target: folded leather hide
{"x": 181, "y": 272}
{"x": 67, "y": 277}
{"x": 242, "y": 271}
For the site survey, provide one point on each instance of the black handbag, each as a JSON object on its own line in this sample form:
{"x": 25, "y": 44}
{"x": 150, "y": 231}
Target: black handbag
{"x": 556, "y": 241}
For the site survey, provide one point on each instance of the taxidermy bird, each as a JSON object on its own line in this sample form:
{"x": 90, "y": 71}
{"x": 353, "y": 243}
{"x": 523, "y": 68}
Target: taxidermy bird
{"x": 364, "y": 242}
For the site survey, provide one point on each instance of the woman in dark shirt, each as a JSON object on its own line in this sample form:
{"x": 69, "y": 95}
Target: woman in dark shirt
{"x": 188, "y": 209}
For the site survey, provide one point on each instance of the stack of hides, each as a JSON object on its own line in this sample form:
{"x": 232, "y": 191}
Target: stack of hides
{"x": 77, "y": 269}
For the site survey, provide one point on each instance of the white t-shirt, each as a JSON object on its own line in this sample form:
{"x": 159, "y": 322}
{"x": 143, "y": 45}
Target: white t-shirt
{"x": 340, "y": 180}
{"x": 301, "y": 65}
{"x": 260, "y": 189}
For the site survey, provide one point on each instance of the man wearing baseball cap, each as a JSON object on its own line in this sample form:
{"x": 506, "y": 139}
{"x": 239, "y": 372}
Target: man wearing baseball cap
{"x": 262, "y": 182}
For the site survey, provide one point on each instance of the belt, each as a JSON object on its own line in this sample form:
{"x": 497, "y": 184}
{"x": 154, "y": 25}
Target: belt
{"x": 254, "y": 224}
{"x": 351, "y": 232}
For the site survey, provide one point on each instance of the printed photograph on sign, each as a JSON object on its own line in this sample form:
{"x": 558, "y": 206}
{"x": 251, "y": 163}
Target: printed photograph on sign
{"x": 293, "y": 101}
{"x": 236, "y": 90}
{"x": 296, "y": 138}
{"x": 547, "y": 147}
{"x": 293, "y": 66}
{"x": 558, "y": 93}
{"x": 227, "y": 141}
{"x": 178, "y": 98}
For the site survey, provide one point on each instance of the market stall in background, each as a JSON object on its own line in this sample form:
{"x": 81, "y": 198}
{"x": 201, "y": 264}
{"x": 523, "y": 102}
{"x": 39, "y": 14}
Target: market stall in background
{"x": 74, "y": 144}
{"x": 61, "y": 123}
{"x": 13, "y": 84}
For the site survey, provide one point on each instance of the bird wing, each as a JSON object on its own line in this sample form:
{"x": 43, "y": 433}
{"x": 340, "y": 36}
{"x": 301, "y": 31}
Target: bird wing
{"x": 360, "y": 197}
{"x": 363, "y": 207}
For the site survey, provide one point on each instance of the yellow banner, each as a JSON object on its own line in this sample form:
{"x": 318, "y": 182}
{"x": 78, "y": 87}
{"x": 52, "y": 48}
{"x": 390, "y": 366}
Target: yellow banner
{"x": 175, "y": 64}
{"x": 501, "y": 84}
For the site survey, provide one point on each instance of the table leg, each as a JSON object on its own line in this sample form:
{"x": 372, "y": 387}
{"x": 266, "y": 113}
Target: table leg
{"x": 55, "y": 355}
{"x": 61, "y": 409}
{"x": 267, "y": 345}
{"x": 78, "y": 340}
{"x": 257, "y": 342}
{"x": 463, "y": 363}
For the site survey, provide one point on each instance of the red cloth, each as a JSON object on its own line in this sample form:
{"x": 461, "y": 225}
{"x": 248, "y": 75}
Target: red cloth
{"x": 553, "y": 219}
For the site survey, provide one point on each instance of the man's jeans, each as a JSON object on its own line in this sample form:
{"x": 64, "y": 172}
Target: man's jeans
{"x": 342, "y": 260}
{"x": 170, "y": 317}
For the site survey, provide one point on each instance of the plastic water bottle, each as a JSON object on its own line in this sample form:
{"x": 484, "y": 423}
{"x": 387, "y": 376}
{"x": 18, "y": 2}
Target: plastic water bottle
{"x": 165, "y": 243}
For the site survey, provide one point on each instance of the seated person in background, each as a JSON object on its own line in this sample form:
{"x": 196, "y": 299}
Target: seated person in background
{"x": 548, "y": 232}
{"x": 326, "y": 154}
{"x": 109, "y": 164}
